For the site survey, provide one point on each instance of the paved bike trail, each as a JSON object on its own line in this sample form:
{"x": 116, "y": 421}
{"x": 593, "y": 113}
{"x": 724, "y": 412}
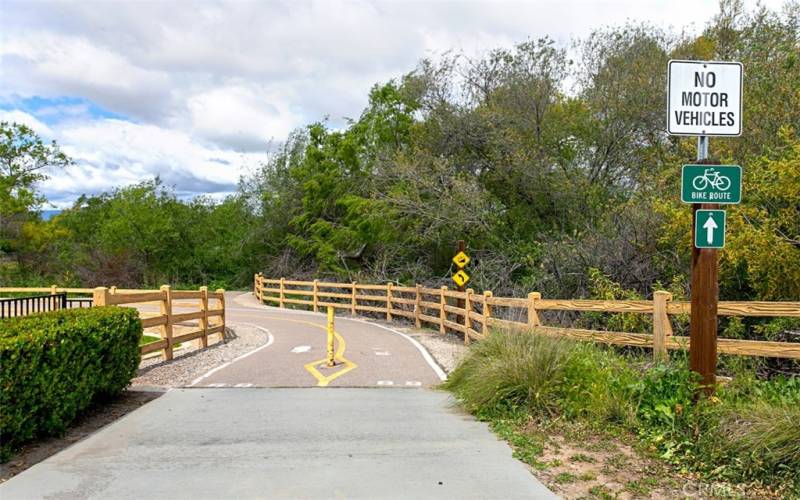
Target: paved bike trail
{"x": 261, "y": 427}
{"x": 366, "y": 354}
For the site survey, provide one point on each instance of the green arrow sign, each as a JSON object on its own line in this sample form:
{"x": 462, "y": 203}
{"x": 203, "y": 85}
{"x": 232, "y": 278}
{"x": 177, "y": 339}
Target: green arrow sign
{"x": 709, "y": 229}
{"x": 711, "y": 184}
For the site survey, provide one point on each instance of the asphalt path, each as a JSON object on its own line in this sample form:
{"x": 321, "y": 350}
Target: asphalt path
{"x": 366, "y": 354}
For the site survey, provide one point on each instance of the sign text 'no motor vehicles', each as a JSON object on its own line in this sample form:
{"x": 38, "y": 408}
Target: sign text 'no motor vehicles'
{"x": 705, "y": 98}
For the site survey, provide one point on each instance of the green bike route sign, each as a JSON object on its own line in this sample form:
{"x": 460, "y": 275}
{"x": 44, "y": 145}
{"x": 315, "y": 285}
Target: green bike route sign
{"x": 711, "y": 184}
{"x": 709, "y": 229}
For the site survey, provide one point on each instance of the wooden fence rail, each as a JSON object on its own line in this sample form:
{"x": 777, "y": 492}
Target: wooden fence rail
{"x": 435, "y": 306}
{"x": 181, "y": 316}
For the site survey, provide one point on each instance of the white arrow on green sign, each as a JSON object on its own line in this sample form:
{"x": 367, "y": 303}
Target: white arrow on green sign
{"x": 709, "y": 229}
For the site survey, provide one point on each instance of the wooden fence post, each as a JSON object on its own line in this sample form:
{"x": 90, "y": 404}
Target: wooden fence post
{"x": 662, "y": 328}
{"x": 221, "y": 300}
{"x": 100, "y": 296}
{"x": 281, "y": 296}
{"x": 113, "y": 290}
{"x": 166, "y": 328}
{"x": 389, "y": 301}
{"x": 467, "y": 309}
{"x": 353, "y": 301}
{"x": 533, "y": 316}
{"x": 204, "y": 318}
{"x": 418, "y": 307}
{"x": 487, "y": 312}
{"x": 255, "y": 285}
{"x": 314, "y": 297}
{"x": 442, "y": 312}
{"x": 53, "y": 289}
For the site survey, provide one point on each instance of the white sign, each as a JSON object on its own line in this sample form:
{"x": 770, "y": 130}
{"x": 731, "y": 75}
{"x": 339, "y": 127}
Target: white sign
{"x": 704, "y": 98}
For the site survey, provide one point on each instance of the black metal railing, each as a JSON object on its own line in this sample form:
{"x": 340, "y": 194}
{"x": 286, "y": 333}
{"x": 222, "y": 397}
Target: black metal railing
{"x": 25, "y": 306}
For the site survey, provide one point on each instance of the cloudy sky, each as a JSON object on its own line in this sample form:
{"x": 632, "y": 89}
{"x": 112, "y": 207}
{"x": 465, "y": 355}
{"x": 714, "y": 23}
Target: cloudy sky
{"x": 197, "y": 91}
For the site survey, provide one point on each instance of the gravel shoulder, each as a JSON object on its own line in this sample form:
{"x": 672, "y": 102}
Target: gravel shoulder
{"x": 447, "y": 350}
{"x": 191, "y": 362}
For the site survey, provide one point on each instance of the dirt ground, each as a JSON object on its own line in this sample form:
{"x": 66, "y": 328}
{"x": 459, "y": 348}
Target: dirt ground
{"x": 92, "y": 420}
{"x": 579, "y": 463}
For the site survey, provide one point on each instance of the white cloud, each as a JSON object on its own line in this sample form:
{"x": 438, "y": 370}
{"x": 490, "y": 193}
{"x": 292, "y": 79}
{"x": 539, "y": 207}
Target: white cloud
{"x": 246, "y": 118}
{"x": 223, "y": 78}
{"x": 109, "y": 153}
{"x": 24, "y": 118}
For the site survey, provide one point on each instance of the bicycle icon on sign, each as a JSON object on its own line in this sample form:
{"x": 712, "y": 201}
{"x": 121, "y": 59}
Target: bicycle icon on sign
{"x": 711, "y": 178}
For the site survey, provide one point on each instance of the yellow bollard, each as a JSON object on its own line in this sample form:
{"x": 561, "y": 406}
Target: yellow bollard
{"x": 331, "y": 361}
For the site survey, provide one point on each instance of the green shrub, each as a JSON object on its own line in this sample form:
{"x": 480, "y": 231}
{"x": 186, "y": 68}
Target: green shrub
{"x": 761, "y": 440}
{"x": 747, "y": 432}
{"x": 55, "y": 364}
{"x": 597, "y": 385}
{"x": 510, "y": 371}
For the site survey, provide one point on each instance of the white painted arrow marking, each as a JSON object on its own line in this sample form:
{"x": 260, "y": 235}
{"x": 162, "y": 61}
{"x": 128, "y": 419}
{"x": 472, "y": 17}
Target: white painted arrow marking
{"x": 301, "y": 348}
{"x": 710, "y": 226}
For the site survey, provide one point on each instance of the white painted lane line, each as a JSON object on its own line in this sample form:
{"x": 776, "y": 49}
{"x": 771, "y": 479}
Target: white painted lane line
{"x": 216, "y": 385}
{"x": 382, "y": 353}
{"x": 243, "y": 385}
{"x": 301, "y": 349}
{"x": 413, "y": 383}
{"x": 385, "y": 382}
{"x": 425, "y": 354}
{"x": 270, "y": 340}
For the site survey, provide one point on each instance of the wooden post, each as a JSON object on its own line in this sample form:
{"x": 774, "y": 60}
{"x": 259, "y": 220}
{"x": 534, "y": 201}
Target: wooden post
{"x": 166, "y": 328}
{"x": 100, "y": 296}
{"x": 442, "y": 312}
{"x": 53, "y": 289}
{"x": 260, "y": 288}
{"x": 255, "y": 285}
{"x": 533, "y": 315}
{"x": 314, "y": 297}
{"x": 113, "y": 290}
{"x": 221, "y": 300}
{"x": 467, "y": 309}
{"x": 281, "y": 294}
{"x": 703, "y": 325}
{"x": 389, "y": 301}
{"x": 353, "y": 301}
{"x": 204, "y": 318}
{"x": 487, "y": 312}
{"x": 418, "y": 307}
{"x": 661, "y": 325}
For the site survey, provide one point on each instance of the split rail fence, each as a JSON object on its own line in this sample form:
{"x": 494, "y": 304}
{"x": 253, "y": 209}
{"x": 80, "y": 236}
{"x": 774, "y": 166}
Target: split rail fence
{"x": 482, "y": 311}
{"x": 175, "y": 316}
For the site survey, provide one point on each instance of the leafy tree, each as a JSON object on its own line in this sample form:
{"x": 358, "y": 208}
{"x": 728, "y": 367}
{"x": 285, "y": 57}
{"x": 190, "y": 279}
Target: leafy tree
{"x": 24, "y": 160}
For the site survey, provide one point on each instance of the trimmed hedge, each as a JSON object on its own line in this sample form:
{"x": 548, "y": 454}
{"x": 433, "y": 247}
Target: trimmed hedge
{"x": 54, "y": 365}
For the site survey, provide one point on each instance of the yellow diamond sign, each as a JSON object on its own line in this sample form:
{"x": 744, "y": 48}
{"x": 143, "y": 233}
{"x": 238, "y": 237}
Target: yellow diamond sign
{"x": 461, "y": 277}
{"x": 461, "y": 260}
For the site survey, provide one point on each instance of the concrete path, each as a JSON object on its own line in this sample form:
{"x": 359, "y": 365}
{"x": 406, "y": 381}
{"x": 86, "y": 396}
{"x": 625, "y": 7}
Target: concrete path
{"x": 253, "y": 441}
